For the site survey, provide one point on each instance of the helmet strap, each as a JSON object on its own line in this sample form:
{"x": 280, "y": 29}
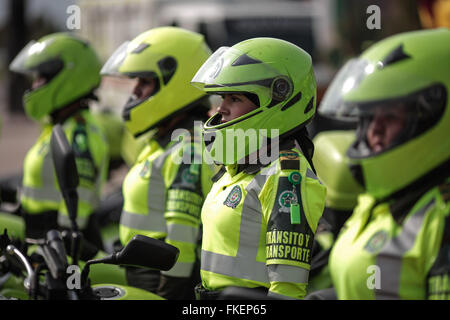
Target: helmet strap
{"x": 61, "y": 115}
{"x": 305, "y": 144}
{"x": 166, "y": 128}
{"x": 180, "y": 121}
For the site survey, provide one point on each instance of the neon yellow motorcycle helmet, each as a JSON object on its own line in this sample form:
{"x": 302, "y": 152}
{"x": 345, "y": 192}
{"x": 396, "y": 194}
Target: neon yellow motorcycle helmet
{"x": 69, "y": 65}
{"x": 406, "y": 73}
{"x": 332, "y": 165}
{"x": 279, "y": 77}
{"x": 170, "y": 55}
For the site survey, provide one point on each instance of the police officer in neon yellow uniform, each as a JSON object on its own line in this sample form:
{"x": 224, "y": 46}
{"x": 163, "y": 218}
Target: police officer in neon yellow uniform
{"x": 396, "y": 243}
{"x": 164, "y": 190}
{"x": 65, "y": 71}
{"x": 261, "y": 214}
{"x": 331, "y": 163}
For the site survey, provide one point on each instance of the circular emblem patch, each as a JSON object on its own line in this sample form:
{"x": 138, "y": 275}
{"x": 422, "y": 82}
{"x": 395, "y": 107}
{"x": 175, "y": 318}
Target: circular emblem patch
{"x": 145, "y": 169}
{"x": 295, "y": 178}
{"x": 80, "y": 142}
{"x": 188, "y": 177}
{"x": 377, "y": 241}
{"x": 285, "y": 199}
{"x": 234, "y": 197}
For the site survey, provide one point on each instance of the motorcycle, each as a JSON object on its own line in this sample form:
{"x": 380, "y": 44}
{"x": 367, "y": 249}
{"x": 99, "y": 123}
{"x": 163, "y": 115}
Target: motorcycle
{"x": 62, "y": 280}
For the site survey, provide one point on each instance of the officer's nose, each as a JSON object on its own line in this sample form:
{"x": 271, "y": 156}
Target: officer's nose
{"x": 144, "y": 88}
{"x": 376, "y": 133}
{"x": 377, "y": 125}
{"x": 38, "y": 82}
{"x": 223, "y": 110}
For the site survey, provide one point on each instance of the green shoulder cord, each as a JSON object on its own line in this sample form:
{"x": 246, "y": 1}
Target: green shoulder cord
{"x": 295, "y": 178}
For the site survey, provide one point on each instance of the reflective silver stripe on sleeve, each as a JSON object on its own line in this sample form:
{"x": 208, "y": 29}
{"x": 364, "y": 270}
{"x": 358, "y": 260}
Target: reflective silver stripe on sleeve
{"x": 88, "y": 196}
{"x": 156, "y": 194}
{"x": 43, "y": 194}
{"x": 182, "y": 233}
{"x": 148, "y": 222}
{"x": 48, "y": 191}
{"x": 51, "y": 194}
{"x": 48, "y": 171}
{"x": 390, "y": 258}
{"x": 154, "y": 219}
{"x": 239, "y": 267}
{"x": 244, "y": 265}
{"x": 310, "y": 174}
{"x": 180, "y": 269}
{"x": 286, "y": 273}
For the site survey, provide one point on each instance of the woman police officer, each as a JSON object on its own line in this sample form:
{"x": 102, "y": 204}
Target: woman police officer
{"x": 396, "y": 243}
{"x": 261, "y": 214}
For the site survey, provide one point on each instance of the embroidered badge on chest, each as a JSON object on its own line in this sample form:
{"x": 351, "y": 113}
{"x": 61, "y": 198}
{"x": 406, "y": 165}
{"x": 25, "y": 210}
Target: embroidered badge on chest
{"x": 44, "y": 147}
{"x": 145, "y": 169}
{"x": 234, "y": 197}
{"x": 376, "y": 242}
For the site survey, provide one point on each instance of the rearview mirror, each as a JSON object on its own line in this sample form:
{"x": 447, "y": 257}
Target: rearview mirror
{"x": 66, "y": 169}
{"x": 145, "y": 252}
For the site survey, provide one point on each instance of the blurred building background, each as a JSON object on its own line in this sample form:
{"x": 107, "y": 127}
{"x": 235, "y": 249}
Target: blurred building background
{"x": 332, "y": 31}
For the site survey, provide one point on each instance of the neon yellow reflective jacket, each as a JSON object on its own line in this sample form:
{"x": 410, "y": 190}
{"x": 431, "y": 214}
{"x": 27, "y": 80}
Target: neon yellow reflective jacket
{"x": 40, "y": 191}
{"x": 377, "y": 256}
{"x": 163, "y": 195}
{"x": 324, "y": 241}
{"x": 253, "y": 236}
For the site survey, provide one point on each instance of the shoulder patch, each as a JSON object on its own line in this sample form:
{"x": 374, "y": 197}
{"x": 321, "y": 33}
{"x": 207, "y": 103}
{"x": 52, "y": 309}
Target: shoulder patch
{"x": 289, "y": 160}
{"x": 234, "y": 197}
{"x": 438, "y": 278}
{"x": 188, "y": 178}
{"x": 287, "y": 239}
{"x": 80, "y": 140}
{"x": 190, "y": 175}
{"x": 83, "y": 157}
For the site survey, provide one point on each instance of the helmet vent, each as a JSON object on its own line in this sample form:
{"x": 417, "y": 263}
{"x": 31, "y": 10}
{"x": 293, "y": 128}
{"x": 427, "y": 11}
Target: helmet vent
{"x": 244, "y": 60}
{"x": 168, "y": 66}
{"x": 396, "y": 55}
{"x": 293, "y": 101}
{"x": 310, "y": 105}
{"x": 141, "y": 47}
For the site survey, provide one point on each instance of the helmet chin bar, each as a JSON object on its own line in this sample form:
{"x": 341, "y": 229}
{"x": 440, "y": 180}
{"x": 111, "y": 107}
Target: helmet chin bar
{"x": 357, "y": 173}
{"x": 215, "y": 120}
{"x": 133, "y": 102}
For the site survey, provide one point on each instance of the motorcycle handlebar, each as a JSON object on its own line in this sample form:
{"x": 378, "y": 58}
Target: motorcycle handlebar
{"x": 13, "y": 251}
{"x": 55, "y": 241}
{"x": 55, "y": 254}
